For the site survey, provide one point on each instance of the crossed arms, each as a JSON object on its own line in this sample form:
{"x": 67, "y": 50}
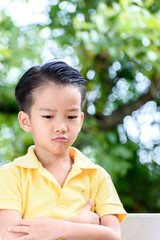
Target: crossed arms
{"x": 86, "y": 225}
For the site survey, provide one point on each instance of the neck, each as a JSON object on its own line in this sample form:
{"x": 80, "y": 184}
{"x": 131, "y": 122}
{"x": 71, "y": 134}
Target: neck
{"x": 49, "y": 159}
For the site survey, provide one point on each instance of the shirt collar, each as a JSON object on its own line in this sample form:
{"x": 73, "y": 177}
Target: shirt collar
{"x": 30, "y": 160}
{"x": 80, "y": 160}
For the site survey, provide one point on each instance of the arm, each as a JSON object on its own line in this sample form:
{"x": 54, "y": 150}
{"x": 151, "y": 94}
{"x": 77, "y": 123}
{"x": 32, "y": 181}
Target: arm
{"x": 52, "y": 229}
{"x": 109, "y": 229}
{"x": 110, "y": 221}
{"x": 13, "y": 218}
{"x": 9, "y": 218}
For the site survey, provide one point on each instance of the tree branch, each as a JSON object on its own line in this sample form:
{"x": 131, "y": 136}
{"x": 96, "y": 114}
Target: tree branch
{"x": 110, "y": 122}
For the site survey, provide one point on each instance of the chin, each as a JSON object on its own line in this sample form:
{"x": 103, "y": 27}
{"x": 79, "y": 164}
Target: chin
{"x": 60, "y": 151}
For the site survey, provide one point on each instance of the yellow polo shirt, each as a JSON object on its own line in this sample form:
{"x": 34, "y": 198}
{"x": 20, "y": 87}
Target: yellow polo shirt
{"x": 26, "y": 186}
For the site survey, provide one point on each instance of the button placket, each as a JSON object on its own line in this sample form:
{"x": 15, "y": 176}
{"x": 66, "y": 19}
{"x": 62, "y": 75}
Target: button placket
{"x": 51, "y": 178}
{"x": 73, "y": 173}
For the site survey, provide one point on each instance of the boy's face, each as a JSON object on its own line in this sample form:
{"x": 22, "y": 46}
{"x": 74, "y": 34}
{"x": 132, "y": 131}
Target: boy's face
{"x": 55, "y": 118}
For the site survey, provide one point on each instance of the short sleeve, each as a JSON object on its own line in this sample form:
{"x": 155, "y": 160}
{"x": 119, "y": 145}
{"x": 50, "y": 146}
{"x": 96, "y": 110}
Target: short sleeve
{"x": 107, "y": 200}
{"x": 10, "y": 188}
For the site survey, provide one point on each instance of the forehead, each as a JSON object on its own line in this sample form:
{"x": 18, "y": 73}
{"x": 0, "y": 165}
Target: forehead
{"x": 56, "y": 96}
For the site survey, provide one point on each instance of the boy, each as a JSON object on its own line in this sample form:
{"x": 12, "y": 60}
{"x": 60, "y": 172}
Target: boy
{"x": 48, "y": 193}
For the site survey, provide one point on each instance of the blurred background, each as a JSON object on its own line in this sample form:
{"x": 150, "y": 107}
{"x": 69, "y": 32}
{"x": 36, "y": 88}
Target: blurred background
{"x": 116, "y": 46}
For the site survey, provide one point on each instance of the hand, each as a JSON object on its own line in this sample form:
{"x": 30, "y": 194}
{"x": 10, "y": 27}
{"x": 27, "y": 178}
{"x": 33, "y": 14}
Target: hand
{"x": 43, "y": 228}
{"x": 86, "y": 215}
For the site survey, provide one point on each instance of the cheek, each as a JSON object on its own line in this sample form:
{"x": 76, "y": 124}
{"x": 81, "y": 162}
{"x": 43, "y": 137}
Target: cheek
{"x": 39, "y": 129}
{"x": 76, "y": 126}
{"x": 75, "y": 130}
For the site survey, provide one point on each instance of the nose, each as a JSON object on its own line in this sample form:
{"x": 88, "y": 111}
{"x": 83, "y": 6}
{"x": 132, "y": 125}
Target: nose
{"x": 60, "y": 127}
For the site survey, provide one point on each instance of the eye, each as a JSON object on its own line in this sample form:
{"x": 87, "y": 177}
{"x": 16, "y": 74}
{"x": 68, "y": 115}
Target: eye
{"x": 48, "y": 116}
{"x": 72, "y": 117}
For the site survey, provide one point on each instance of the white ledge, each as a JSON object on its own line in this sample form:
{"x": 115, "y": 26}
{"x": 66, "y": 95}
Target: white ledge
{"x": 141, "y": 227}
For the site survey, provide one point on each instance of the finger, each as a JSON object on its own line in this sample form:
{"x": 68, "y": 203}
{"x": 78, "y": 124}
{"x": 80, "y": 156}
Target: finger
{"x": 89, "y": 204}
{"x": 19, "y": 229}
{"x": 25, "y": 222}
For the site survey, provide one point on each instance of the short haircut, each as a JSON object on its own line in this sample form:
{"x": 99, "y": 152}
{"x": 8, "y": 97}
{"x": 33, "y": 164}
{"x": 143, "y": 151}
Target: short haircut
{"x": 57, "y": 72}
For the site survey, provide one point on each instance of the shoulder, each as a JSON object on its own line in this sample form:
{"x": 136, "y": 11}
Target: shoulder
{"x": 9, "y": 170}
{"x": 103, "y": 173}
{"x": 8, "y": 167}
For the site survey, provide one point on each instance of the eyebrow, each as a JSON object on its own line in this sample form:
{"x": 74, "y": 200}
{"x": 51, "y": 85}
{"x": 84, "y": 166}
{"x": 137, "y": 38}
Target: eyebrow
{"x": 47, "y": 109}
{"x": 73, "y": 109}
{"x": 54, "y": 110}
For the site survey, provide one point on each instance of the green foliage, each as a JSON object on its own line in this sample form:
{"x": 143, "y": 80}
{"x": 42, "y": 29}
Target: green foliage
{"x": 13, "y": 141}
{"x": 111, "y": 42}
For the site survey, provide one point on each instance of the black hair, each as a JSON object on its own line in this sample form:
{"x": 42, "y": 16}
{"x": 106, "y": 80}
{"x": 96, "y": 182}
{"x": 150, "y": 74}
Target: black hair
{"x": 57, "y": 72}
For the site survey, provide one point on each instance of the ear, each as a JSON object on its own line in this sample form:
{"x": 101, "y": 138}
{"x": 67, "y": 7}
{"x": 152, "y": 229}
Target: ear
{"x": 81, "y": 121}
{"x": 24, "y": 121}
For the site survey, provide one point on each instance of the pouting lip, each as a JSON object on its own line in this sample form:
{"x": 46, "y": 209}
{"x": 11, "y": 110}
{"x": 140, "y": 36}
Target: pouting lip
{"x": 60, "y": 138}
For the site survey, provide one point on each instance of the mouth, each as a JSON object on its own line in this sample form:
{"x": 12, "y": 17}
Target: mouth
{"x": 60, "y": 139}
